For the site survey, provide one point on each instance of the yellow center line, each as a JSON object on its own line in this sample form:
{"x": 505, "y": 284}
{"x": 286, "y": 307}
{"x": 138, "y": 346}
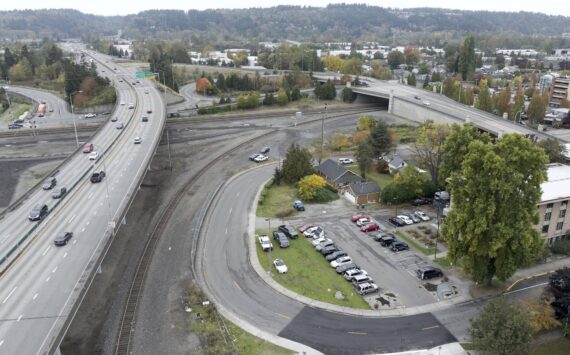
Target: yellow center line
{"x": 432, "y": 327}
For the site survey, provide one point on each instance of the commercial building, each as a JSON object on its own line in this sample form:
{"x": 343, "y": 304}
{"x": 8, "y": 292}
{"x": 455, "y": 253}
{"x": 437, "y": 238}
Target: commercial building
{"x": 554, "y": 220}
{"x": 560, "y": 91}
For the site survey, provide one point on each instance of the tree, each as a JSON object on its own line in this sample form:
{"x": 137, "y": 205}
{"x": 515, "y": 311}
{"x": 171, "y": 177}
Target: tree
{"x": 365, "y": 122}
{"x": 495, "y": 194}
{"x": 484, "y": 102}
{"x": 502, "y": 328}
{"x": 467, "y": 58}
{"x": 309, "y": 186}
{"x": 269, "y": 99}
{"x": 412, "y": 80}
{"x": 380, "y": 71}
{"x": 333, "y": 63}
{"x": 541, "y": 315}
{"x": 203, "y": 86}
{"x": 503, "y": 102}
{"x": 553, "y": 149}
{"x": 297, "y": 164}
{"x": 364, "y": 157}
{"x": 295, "y": 94}
{"x": 395, "y": 58}
{"x": 380, "y": 139}
{"x": 500, "y": 61}
{"x": 327, "y": 91}
{"x": 537, "y": 108}
{"x": 352, "y": 66}
{"x": 348, "y": 95}
{"x": 21, "y": 71}
{"x": 412, "y": 55}
{"x": 410, "y": 179}
{"x": 560, "y": 287}
{"x": 429, "y": 147}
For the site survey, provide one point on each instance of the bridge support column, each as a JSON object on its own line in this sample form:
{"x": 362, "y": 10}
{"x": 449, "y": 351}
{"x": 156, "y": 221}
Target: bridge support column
{"x": 57, "y": 351}
{"x": 391, "y": 102}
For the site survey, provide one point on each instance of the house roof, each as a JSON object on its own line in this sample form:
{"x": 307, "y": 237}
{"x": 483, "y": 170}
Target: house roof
{"x": 557, "y": 185}
{"x": 337, "y": 173}
{"x": 364, "y": 187}
{"x": 397, "y": 162}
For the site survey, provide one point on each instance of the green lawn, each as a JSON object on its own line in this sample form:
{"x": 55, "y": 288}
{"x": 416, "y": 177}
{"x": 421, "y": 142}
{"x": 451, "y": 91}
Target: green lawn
{"x": 276, "y": 201}
{"x": 404, "y": 236}
{"x": 443, "y": 262}
{"x": 556, "y": 347}
{"x": 248, "y": 344}
{"x": 309, "y": 274}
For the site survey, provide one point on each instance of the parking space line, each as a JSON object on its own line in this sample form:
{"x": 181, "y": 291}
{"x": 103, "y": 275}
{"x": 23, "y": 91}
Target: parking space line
{"x": 282, "y": 315}
{"x": 45, "y": 251}
{"x": 49, "y": 277}
{"x": 236, "y": 285}
{"x": 432, "y": 327}
{"x": 357, "y": 333}
{"x": 19, "y": 318}
{"x": 35, "y": 296}
{"x": 71, "y": 219}
{"x": 9, "y": 295}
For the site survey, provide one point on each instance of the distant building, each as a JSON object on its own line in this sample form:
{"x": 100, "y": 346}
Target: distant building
{"x": 560, "y": 91}
{"x": 554, "y": 221}
{"x": 518, "y": 52}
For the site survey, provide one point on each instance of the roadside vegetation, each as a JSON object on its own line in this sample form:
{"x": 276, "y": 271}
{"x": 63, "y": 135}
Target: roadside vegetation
{"x": 309, "y": 273}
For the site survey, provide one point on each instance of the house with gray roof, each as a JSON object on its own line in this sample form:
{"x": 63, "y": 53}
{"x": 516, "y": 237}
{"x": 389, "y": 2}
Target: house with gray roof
{"x": 337, "y": 175}
{"x": 362, "y": 193}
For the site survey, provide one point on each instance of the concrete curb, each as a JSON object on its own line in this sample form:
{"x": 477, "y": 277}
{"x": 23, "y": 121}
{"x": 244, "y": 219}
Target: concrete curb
{"x": 516, "y": 282}
{"x": 398, "y": 312}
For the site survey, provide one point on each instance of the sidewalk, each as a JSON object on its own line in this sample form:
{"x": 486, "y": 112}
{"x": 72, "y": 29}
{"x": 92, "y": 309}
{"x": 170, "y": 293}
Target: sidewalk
{"x": 446, "y": 349}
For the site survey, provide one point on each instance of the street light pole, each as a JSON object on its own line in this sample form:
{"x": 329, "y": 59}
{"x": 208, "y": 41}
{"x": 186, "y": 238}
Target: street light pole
{"x": 73, "y": 115}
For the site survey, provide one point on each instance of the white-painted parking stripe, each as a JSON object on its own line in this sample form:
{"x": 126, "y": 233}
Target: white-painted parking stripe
{"x": 71, "y": 219}
{"x": 35, "y": 296}
{"x": 9, "y": 295}
{"x": 74, "y": 241}
{"x": 54, "y": 269}
{"x": 20, "y": 317}
{"x": 83, "y": 230}
{"x": 48, "y": 278}
{"x": 65, "y": 255}
{"x": 89, "y": 196}
{"x": 1, "y": 342}
{"x": 95, "y": 213}
{"x": 45, "y": 251}
{"x": 88, "y": 222}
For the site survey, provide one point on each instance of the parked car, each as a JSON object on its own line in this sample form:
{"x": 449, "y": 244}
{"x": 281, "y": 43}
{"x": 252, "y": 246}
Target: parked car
{"x": 281, "y": 239}
{"x": 325, "y": 244}
{"x": 355, "y": 218}
{"x": 421, "y": 215}
{"x": 329, "y": 250}
{"x": 253, "y": 156}
{"x": 336, "y": 255}
{"x": 38, "y": 212}
{"x": 88, "y": 148}
{"x": 289, "y": 231}
{"x": 426, "y": 103}
{"x": 97, "y": 176}
{"x": 15, "y": 125}
{"x": 93, "y": 156}
{"x": 280, "y": 266}
{"x": 397, "y": 222}
{"x": 414, "y": 218}
{"x": 366, "y": 288}
{"x": 298, "y": 205}
{"x": 421, "y": 201}
{"x": 341, "y": 261}
{"x": 362, "y": 221}
{"x": 345, "y": 160}
{"x": 59, "y": 192}
{"x": 399, "y": 246}
{"x": 348, "y": 275}
{"x": 316, "y": 242}
{"x": 385, "y": 239}
{"x": 114, "y": 119}
{"x": 63, "y": 238}
{"x": 315, "y": 232}
{"x": 131, "y": 106}
{"x": 49, "y": 183}
{"x": 305, "y": 227}
{"x": 417, "y": 97}
{"x": 428, "y": 272}
{"x": 360, "y": 279}
{"x": 370, "y": 227}
{"x": 265, "y": 243}
{"x": 344, "y": 268}
{"x": 260, "y": 158}
{"x": 406, "y": 219}
{"x": 265, "y": 150}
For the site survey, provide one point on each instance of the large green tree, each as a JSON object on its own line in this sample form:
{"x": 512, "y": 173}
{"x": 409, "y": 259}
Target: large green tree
{"x": 364, "y": 157}
{"x": 297, "y": 164}
{"x": 395, "y": 58}
{"x": 502, "y": 328}
{"x": 467, "y": 58}
{"x": 537, "y": 108}
{"x": 495, "y": 194}
{"x": 553, "y": 149}
{"x": 380, "y": 139}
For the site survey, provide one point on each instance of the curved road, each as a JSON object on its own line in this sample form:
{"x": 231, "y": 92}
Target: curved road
{"x": 230, "y": 281}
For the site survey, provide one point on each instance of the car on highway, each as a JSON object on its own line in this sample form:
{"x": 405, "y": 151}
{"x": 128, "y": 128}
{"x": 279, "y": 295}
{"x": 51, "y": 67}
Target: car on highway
{"x": 397, "y": 222}
{"x": 426, "y": 103}
{"x": 38, "y": 212}
{"x": 114, "y": 119}
{"x": 385, "y": 239}
{"x": 366, "y": 288}
{"x": 265, "y": 150}
{"x": 88, "y": 148}
{"x": 93, "y": 156}
{"x": 144, "y": 118}
{"x": 281, "y": 239}
{"x": 131, "y": 106}
{"x": 421, "y": 215}
{"x": 399, "y": 246}
{"x": 336, "y": 255}
{"x": 417, "y": 97}
{"x": 370, "y": 227}
{"x": 406, "y": 219}
{"x": 59, "y": 192}
{"x": 345, "y": 160}
{"x": 355, "y": 218}
{"x": 62, "y": 238}
{"x": 341, "y": 261}
{"x": 119, "y": 125}
{"x": 90, "y": 115}
{"x": 41, "y": 114}
{"x": 265, "y": 243}
{"x": 428, "y": 272}
{"x": 298, "y": 205}
{"x": 146, "y": 91}
{"x": 280, "y": 266}
{"x": 414, "y": 218}
{"x": 49, "y": 183}
{"x": 122, "y": 103}
{"x": 288, "y": 231}
{"x": 97, "y": 176}
{"x": 138, "y": 140}
{"x": 352, "y": 273}
{"x": 344, "y": 268}
{"x": 260, "y": 158}
{"x": 362, "y": 221}
{"x": 421, "y": 201}
{"x": 15, "y": 125}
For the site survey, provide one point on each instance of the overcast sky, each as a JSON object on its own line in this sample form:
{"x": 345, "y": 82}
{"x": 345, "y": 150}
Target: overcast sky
{"x": 124, "y": 7}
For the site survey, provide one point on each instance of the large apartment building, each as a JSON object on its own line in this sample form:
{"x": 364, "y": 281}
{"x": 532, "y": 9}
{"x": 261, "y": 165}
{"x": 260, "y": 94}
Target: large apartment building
{"x": 554, "y": 220}
{"x": 560, "y": 91}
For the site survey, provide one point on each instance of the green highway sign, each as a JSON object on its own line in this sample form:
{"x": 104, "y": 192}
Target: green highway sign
{"x": 143, "y": 74}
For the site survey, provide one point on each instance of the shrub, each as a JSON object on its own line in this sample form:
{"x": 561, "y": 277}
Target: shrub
{"x": 382, "y": 167}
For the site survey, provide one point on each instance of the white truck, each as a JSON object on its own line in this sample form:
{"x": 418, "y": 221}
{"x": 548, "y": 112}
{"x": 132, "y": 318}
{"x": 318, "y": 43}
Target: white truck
{"x": 265, "y": 243}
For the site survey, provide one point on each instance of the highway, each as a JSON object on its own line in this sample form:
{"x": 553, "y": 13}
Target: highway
{"x": 41, "y": 283}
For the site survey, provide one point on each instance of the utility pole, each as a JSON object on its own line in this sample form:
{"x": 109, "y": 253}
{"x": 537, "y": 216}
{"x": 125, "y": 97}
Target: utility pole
{"x": 323, "y": 134}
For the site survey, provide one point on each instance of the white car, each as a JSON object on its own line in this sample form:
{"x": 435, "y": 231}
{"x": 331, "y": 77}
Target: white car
{"x": 426, "y": 103}
{"x": 424, "y": 217}
{"x": 345, "y": 161}
{"x": 265, "y": 243}
{"x": 260, "y": 158}
{"x": 280, "y": 266}
{"x": 90, "y": 115}
{"x": 131, "y": 106}
{"x": 341, "y": 261}
{"x": 363, "y": 221}
{"x": 351, "y": 273}
{"x": 318, "y": 241}
{"x": 406, "y": 219}
{"x": 315, "y": 232}
{"x": 138, "y": 140}
{"x": 93, "y": 156}
{"x": 122, "y": 103}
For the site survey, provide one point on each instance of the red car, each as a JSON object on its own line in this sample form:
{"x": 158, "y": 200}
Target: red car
{"x": 370, "y": 227}
{"x": 359, "y": 216}
{"x": 302, "y": 229}
{"x": 88, "y": 148}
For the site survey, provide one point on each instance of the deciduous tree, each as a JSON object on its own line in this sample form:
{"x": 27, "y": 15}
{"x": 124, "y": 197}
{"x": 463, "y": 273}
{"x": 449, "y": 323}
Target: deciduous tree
{"x": 365, "y": 122}
{"x": 429, "y": 147}
{"x": 309, "y": 186}
{"x": 395, "y": 58}
{"x": 553, "y": 149}
{"x": 364, "y": 157}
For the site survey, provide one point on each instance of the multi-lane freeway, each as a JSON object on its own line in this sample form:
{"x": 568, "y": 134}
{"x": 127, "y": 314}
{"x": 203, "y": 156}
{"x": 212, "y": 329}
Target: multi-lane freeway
{"x": 42, "y": 284}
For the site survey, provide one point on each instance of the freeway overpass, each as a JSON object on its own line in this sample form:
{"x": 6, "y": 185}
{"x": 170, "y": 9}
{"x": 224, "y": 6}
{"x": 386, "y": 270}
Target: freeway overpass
{"x": 420, "y": 105}
{"x": 41, "y": 286}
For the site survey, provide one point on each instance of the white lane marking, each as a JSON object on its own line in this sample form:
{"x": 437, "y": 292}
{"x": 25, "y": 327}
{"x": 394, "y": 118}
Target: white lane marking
{"x": 1, "y": 342}
{"x": 4, "y": 239}
{"x": 226, "y": 230}
{"x": 45, "y": 252}
{"x": 54, "y": 270}
{"x": 95, "y": 213}
{"x": 64, "y": 255}
{"x": 83, "y": 230}
{"x": 71, "y": 219}
{"x": 35, "y": 296}
{"x": 88, "y": 222}
{"x": 10, "y": 294}
{"x": 48, "y": 278}
{"x": 20, "y": 317}
{"x": 89, "y": 196}
{"x": 231, "y": 209}
{"x": 74, "y": 241}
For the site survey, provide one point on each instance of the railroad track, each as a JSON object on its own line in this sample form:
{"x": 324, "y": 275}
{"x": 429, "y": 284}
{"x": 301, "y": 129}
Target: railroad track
{"x": 128, "y": 319}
